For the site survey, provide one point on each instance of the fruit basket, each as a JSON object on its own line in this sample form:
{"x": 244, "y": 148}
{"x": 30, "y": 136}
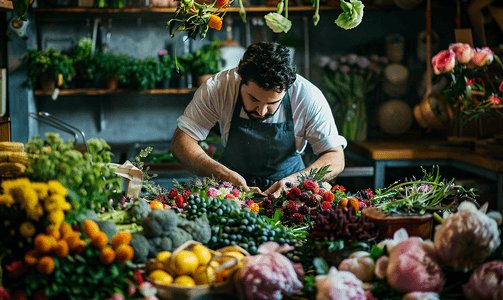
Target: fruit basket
{"x": 211, "y": 277}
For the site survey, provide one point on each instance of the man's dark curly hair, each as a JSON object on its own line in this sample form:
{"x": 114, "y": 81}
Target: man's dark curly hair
{"x": 269, "y": 65}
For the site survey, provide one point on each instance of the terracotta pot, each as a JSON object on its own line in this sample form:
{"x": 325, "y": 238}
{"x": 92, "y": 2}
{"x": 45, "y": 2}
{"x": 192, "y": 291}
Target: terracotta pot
{"x": 112, "y": 82}
{"x": 431, "y": 112}
{"x": 47, "y": 84}
{"x": 201, "y": 79}
{"x": 420, "y": 225}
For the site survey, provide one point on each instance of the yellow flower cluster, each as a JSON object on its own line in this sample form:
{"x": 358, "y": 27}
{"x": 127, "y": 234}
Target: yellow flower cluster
{"x": 37, "y": 199}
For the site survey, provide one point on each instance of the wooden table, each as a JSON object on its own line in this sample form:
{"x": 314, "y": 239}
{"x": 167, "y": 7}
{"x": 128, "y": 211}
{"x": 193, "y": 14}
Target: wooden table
{"x": 381, "y": 155}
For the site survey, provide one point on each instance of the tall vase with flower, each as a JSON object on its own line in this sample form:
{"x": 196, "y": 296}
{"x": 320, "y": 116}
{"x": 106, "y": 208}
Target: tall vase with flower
{"x": 349, "y": 79}
{"x": 476, "y": 86}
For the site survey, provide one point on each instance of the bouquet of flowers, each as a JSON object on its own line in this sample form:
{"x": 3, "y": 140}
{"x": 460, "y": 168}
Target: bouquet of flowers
{"x": 349, "y": 79}
{"x": 469, "y": 70}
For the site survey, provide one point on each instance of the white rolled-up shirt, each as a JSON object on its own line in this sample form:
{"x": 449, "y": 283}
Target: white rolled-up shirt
{"x": 214, "y": 101}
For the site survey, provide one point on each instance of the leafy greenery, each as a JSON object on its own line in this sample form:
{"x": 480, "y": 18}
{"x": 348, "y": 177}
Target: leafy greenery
{"x": 144, "y": 74}
{"x": 90, "y": 181}
{"x": 168, "y": 64}
{"x": 315, "y": 174}
{"x": 205, "y": 60}
{"x": 428, "y": 194}
{"x": 51, "y": 63}
{"x": 83, "y": 59}
{"x": 109, "y": 64}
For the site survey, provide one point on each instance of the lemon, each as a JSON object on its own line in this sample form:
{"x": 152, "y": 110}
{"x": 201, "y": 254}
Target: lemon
{"x": 185, "y": 263}
{"x": 163, "y": 256}
{"x": 203, "y": 254}
{"x": 161, "y": 277}
{"x": 184, "y": 280}
{"x": 203, "y": 275}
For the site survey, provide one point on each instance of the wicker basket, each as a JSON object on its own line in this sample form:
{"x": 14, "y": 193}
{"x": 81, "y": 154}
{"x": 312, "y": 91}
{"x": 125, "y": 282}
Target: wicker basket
{"x": 224, "y": 290}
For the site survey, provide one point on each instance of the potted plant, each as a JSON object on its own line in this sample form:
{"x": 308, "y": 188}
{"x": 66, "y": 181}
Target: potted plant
{"x": 48, "y": 68}
{"x": 112, "y": 67}
{"x": 168, "y": 66}
{"x": 144, "y": 74}
{"x": 204, "y": 62}
{"x": 83, "y": 61}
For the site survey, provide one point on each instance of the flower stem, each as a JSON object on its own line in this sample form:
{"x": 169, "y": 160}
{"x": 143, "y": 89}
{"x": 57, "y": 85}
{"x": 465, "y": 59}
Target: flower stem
{"x": 286, "y": 9}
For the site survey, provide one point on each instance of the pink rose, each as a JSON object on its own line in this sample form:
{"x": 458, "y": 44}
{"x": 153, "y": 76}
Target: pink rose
{"x": 308, "y": 184}
{"x": 443, "y": 62}
{"x": 463, "y": 52}
{"x": 235, "y": 192}
{"x": 483, "y": 57}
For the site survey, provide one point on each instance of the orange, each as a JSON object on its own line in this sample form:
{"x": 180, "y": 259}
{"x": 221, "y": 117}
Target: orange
{"x": 61, "y": 249}
{"x": 185, "y": 263}
{"x": 99, "y": 240}
{"x": 156, "y": 205}
{"x": 90, "y": 228}
{"x": 46, "y": 265}
{"x": 107, "y": 255}
{"x": 124, "y": 253}
{"x": 121, "y": 238}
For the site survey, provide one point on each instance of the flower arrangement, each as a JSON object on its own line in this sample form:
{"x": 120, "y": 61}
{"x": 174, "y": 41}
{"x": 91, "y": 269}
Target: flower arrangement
{"x": 469, "y": 69}
{"x": 349, "y": 78}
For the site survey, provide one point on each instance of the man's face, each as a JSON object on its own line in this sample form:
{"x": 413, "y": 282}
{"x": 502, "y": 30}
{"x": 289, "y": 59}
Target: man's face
{"x": 258, "y": 103}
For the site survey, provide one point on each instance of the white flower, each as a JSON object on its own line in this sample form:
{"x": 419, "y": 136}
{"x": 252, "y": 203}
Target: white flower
{"x": 278, "y": 23}
{"x": 333, "y": 65}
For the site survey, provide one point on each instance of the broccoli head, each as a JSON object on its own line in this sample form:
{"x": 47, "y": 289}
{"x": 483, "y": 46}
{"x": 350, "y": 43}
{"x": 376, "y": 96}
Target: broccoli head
{"x": 109, "y": 228}
{"x": 160, "y": 222}
{"x": 158, "y": 244}
{"x": 140, "y": 210}
{"x": 199, "y": 229}
{"x": 179, "y": 236}
{"x": 141, "y": 247}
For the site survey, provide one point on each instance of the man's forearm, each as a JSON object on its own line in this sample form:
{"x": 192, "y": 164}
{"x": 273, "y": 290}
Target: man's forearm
{"x": 333, "y": 157}
{"x": 193, "y": 158}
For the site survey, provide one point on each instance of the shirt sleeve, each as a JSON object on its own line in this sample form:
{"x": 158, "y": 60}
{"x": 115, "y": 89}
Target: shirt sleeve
{"x": 320, "y": 128}
{"x": 201, "y": 114}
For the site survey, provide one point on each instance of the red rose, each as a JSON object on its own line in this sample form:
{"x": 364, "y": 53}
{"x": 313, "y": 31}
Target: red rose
{"x": 179, "y": 201}
{"x": 186, "y": 193}
{"x": 308, "y": 184}
{"x": 326, "y": 205}
{"x": 321, "y": 192}
{"x": 294, "y": 193}
{"x": 173, "y": 193}
{"x": 328, "y": 197}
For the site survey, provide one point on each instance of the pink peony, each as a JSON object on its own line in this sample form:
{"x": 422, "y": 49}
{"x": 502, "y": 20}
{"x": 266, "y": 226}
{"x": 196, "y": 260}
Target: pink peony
{"x": 339, "y": 285}
{"x": 485, "y": 282}
{"x": 412, "y": 267}
{"x": 212, "y": 192}
{"x": 268, "y": 275}
{"x": 443, "y": 62}
{"x": 463, "y": 52}
{"x": 466, "y": 239}
{"x": 483, "y": 57}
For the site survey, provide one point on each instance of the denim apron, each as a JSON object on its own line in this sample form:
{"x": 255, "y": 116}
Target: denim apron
{"x": 262, "y": 153}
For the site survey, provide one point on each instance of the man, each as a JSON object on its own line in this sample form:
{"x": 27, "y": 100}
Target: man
{"x": 267, "y": 114}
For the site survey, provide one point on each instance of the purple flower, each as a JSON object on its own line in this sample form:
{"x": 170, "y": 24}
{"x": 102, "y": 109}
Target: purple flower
{"x": 352, "y": 59}
{"x": 163, "y": 52}
{"x": 324, "y": 60}
{"x": 227, "y": 184}
{"x": 362, "y": 62}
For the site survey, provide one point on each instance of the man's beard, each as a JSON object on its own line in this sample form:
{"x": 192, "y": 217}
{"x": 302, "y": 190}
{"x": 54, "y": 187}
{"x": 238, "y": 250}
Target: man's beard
{"x": 256, "y": 117}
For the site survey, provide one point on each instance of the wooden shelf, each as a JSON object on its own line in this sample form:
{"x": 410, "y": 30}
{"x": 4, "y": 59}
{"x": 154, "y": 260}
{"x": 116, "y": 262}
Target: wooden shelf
{"x": 6, "y": 5}
{"x": 95, "y": 92}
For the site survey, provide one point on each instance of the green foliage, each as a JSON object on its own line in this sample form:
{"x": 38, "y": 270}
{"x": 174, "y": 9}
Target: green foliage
{"x": 205, "y": 60}
{"x": 50, "y": 63}
{"x": 90, "y": 181}
{"x": 315, "y": 174}
{"x": 144, "y": 74}
{"x": 109, "y": 64}
{"x": 168, "y": 64}
{"x": 80, "y": 277}
{"x": 83, "y": 59}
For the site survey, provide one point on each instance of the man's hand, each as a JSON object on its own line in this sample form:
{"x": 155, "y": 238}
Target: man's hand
{"x": 237, "y": 179}
{"x": 278, "y": 187}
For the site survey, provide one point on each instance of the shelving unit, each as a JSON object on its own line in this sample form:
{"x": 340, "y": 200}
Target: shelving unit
{"x": 99, "y": 92}
{"x": 6, "y": 5}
